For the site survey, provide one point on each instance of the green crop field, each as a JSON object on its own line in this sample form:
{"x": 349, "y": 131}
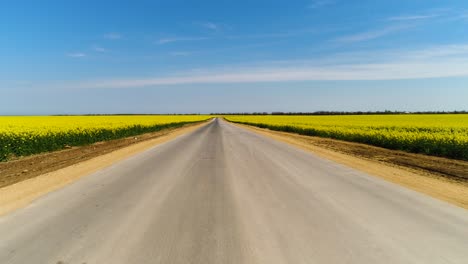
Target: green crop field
{"x": 438, "y": 135}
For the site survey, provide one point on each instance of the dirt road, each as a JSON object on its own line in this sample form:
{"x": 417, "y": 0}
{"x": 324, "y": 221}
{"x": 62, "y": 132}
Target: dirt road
{"x": 223, "y": 194}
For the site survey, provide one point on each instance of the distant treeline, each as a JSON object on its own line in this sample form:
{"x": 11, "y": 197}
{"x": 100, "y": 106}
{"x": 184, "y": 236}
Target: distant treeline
{"x": 318, "y": 113}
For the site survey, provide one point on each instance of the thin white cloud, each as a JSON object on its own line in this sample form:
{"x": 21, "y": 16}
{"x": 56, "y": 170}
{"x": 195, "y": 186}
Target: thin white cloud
{"x": 113, "y": 36}
{"x": 425, "y": 15}
{"x": 291, "y": 33}
{"x": 166, "y": 40}
{"x": 177, "y": 39}
{"x": 285, "y": 34}
{"x": 374, "y": 34}
{"x": 100, "y": 49}
{"x": 180, "y": 53}
{"x": 345, "y": 72}
{"x": 413, "y": 17}
{"x": 320, "y": 3}
{"x": 441, "y": 52}
{"x": 210, "y": 25}
{"x": 263, "y": 36}
{"x": 432, "y": 62}
{"x": 76, "y": 55}
{"x": 464, "y": 15}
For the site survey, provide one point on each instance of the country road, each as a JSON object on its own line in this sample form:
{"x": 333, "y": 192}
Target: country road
{"x": 223, "y": 194}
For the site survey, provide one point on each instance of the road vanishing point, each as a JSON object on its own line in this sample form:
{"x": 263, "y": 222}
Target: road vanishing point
{"x": 224, "y": 194}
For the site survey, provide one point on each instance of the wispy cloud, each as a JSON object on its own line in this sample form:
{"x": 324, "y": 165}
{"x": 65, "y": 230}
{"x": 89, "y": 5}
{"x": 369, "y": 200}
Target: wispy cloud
{"x": 177, "y": 39}
{"x": 412, "y": 17}
{"x": 446, "y": 51}
{"x": 113, "y": 36}
{"x": 320, "y": 3}
{"x": 291, "y": 33}
{"x": 464, "y": 15}
{"x": 167, "y": 40}
{"x": 424, "y": 15}
{"x": 210, "y": 25}
{"x": 397, "y": 24}
{"x": 100, "y": 49}
{"x": 373, "y": 34}
{"x": 76, "y": 55}
{"x": 180, "y": 53}
{"x": 431, "y": 62}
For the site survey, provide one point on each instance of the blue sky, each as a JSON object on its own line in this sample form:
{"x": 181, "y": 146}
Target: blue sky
{"x": 217, "y": 56}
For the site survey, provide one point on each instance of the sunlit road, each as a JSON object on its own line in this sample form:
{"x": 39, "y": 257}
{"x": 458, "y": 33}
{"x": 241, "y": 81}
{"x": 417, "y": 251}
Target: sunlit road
{"x": 222, "y": 194}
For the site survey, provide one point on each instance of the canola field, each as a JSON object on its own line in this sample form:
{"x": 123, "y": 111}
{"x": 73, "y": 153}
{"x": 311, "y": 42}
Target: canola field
{"x": 437, "y": 135}
{"x": 26, "y": 135}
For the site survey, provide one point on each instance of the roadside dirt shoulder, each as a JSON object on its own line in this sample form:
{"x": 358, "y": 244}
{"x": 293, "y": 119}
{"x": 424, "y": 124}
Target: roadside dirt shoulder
{"x": 23, "y": 180}
{"x": 440, "y": 178}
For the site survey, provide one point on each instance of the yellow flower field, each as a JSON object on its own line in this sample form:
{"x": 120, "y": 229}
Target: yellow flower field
{"x": 26, "y": 135}
{"x": 439, "y": 135}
